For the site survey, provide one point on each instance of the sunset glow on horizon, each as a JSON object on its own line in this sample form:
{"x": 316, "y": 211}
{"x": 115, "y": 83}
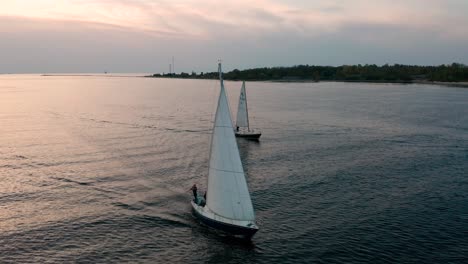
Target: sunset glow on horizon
{"x": 136, "y": 36}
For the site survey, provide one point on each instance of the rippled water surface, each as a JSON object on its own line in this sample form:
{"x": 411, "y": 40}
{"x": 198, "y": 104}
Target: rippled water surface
{"x": 97, "y": 169}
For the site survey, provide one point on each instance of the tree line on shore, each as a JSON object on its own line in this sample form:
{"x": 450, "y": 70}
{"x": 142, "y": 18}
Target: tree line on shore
{"x": 454, "y": 72}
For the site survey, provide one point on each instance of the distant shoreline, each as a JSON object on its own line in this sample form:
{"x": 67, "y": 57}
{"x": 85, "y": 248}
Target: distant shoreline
{"x": 445, "y": 74}
{"x": 450, "y": 84}
{"x": 90, "y": 75}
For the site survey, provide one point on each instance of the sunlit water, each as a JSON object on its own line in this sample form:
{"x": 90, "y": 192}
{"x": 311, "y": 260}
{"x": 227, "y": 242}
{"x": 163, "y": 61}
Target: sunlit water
{"x": 97, "y": 169}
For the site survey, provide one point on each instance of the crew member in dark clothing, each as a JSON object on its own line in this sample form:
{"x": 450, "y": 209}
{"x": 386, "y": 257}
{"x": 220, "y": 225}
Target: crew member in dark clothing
{"x": 194, "y": 190}
{"x": 237, "y": 128}
{"x": 203, "y": 201}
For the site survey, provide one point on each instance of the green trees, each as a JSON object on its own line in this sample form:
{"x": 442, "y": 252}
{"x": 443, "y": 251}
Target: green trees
{"x": 454, "y": 72}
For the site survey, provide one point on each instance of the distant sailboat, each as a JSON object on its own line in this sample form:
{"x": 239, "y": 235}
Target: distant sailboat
{"x": 228, "y": 206}
{"x": 242, "y": 122}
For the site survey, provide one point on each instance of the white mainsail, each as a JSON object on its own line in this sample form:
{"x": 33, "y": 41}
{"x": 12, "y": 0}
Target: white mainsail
{"x": 227, "y": 195}
{"x": 242, "y": 112}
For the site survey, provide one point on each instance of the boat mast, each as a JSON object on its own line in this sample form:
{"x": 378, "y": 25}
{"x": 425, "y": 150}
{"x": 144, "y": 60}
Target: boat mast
{"x": 220, "y": 73}
{"x": 214, "y": 121}
{"x": 222, "y": 86}
{"x": 246, "y": 106}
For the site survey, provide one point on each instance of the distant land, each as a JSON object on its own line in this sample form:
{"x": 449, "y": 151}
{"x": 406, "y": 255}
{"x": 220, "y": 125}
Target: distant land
{"x": 452, "y": 73}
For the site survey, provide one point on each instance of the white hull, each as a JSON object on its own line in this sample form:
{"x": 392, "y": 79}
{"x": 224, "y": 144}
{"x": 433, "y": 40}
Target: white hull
{"x": 245, "y": 133}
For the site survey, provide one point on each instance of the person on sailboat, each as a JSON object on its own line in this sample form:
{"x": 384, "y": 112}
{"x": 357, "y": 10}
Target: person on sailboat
{"x": 237, "y": 128}
{"x": 203, "y": 200}
{"x": 194, "y": 190}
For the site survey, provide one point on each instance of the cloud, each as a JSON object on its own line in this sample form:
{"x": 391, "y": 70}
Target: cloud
{"x": 205, "y": 19}
{"x": 142, "y": 35}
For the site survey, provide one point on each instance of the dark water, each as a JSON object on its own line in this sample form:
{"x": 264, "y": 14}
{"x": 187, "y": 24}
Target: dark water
{"x": 96, "y": 169}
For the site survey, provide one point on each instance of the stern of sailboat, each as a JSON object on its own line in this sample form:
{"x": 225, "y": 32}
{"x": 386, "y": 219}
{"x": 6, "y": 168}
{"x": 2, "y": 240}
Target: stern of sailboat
{"x": 241, "y": 229}
{"x": 248, "y": 134}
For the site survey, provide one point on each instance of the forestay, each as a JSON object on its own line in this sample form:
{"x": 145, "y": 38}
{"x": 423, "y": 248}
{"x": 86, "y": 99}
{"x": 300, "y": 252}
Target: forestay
{"x": 242, "y": 112}
{"x": 228, "y": 194}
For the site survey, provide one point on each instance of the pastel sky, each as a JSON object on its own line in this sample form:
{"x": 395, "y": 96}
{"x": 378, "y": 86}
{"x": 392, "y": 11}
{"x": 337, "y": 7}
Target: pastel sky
{"x": 47, "y": 36}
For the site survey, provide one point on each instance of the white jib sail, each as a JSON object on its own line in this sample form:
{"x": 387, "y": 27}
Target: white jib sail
{"x": 227, "y": 195}
{"x": 242, "y": 112}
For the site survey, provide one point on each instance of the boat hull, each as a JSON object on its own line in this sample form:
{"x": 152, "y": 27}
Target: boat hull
{"x": 235, "y": 230}
{"x": 248, "y": 135}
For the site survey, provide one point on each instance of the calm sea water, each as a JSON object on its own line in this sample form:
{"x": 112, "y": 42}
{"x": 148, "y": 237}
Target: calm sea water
{"x": 96, "y": 169}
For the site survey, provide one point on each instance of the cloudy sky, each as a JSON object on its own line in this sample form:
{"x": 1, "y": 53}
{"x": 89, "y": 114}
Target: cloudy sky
{"x": 46, "y": 36}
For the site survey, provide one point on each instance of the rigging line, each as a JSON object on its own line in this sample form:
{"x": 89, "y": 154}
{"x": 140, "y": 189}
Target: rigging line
{"x": 211, "y": 124}
{"x": 213, "y": 99}
{"x": 240, "y": 172}
{"x": 225, "y": 126}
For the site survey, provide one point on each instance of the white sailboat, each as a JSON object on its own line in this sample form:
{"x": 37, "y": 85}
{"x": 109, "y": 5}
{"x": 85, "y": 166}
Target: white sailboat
{"x": 228, "y": 206}
{"x": 242, "y": 123}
